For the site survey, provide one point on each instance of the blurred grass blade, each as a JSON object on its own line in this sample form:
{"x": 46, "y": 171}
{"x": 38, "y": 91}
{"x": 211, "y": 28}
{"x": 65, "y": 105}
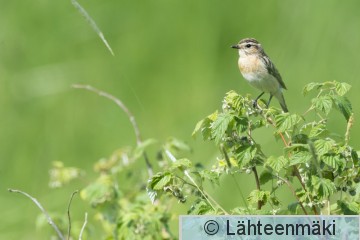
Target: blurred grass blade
{"x": 92, "y": 24}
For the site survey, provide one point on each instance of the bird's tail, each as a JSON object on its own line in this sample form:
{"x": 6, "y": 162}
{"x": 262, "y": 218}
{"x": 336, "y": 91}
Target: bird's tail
{"x": 281, "y": 99}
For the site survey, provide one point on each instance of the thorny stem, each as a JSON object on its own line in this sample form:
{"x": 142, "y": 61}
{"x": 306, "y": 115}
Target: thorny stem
{"x": 127, "y": 112}
{"x": 42, "y": 209}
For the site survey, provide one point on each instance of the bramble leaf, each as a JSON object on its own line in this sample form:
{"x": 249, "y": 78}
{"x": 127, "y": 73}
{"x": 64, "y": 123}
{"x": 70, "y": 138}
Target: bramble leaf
{"x": 220, "y": 125}
{"x": 310, "y": 86}
{"x": 286, "y": 121}
{"x": 343, "y": 105}
{"x": 277, "y": 163}
{"x": 300, "y": 157}
{"x": 255, "y": 196}
{"x": 322, "y": 103}
{"x": 322, "y": 187}
{"x": 342, "y": 88}
{"x": 265, "y": 176}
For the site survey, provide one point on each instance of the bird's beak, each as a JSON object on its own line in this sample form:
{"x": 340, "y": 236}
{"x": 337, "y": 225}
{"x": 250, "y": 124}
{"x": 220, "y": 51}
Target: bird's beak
{"x": 235, "y": 46}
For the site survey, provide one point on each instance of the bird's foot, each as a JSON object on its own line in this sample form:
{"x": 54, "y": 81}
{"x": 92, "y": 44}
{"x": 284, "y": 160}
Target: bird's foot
{"x": 255, "y": 104}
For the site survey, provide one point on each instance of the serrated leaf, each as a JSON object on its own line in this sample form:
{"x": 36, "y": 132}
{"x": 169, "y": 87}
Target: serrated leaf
{"x": 242, "y": 124}
{"x": 233, "y": 100}
{"x": 322, "y": 103}
{"x": 300, "y": 157}
{"x": 322, "y": 187}
{"x": 245, "y": 154}
{"x": 318, "y": 130}
{"x": 204, "y": 126}
{"x": 323, "y": 146}
{"x": 265, "y": 176}
{"x": 220, "y": 125}
{"x": 343, "y": 105}
{"x": 333, "y": 161}
{"x": 255, "y": 196}
{"x": 310, "y": 86}
{"x": 342, "y": 88}
{"x": 200, "y": 207}
{"x": 277, "y": 163}
{"x": 286, "y": 121}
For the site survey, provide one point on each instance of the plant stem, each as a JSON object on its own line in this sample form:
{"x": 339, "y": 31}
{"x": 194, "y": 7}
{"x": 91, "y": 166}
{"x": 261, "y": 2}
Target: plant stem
{"x": 42, "y": 209}
{"x": 127, "y": 112}
{"x": 68, "y": 213}
{"x": 260, "y": 203}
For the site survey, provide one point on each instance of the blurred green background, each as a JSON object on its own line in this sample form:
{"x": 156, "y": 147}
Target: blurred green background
{"x": 172, "y": 66}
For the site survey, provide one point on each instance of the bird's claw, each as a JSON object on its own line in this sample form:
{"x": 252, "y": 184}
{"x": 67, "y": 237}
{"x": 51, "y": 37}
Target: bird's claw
{"x": 255, "y": 104}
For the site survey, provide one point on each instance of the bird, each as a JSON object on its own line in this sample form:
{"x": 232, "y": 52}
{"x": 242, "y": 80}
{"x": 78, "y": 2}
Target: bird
{"x": 257, "y": 69}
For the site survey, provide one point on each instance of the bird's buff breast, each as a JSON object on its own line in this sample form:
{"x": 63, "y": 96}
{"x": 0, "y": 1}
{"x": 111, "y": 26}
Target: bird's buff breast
{"x": 256, "y": 73}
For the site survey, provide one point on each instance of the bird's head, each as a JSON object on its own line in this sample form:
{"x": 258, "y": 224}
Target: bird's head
{"x": 248, "y": 46}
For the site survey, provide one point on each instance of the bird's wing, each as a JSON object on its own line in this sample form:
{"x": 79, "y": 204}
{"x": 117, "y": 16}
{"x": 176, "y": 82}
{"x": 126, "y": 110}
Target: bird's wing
{"x": 273, "y": 71}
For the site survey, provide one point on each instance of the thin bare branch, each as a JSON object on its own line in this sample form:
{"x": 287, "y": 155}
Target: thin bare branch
{"x": 92, "y": 24}
{"x": 42, "y": 209}
{"x": 83, "y": 226}
{"x": 127, "y": 112}
{"x": 68, "y": 213}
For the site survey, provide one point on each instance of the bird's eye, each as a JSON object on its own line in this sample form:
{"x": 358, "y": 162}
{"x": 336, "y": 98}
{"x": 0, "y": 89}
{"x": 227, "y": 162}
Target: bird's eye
{"x": 248, "y": 45}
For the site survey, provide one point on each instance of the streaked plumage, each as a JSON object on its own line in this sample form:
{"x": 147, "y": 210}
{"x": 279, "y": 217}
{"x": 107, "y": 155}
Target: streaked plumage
{"x": 257, "y": 68}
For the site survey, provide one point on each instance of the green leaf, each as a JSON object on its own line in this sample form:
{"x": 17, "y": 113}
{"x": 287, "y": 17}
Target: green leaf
{"x": 300, "y": 157}
{"x": 343, "y": 105}
{"x": 101, "y": 191}
{"x": 204, "y": 126}
{"x": 349, "y": 208}
{"x": 310, "y": 86}
{"x": 286, "y": 121}
{"x": 210, "y": 175}
{"x": 255, "y": 196}
{"x": 277, "y": 163}
{"x": 242, "y": 124}
{"x": 200, "y": 207}
{"x": 322, "y": 103}
{"x": 342, "y": 88}
{"x": 265, "y": 176}
{"x": 233, "y": 100}
{"x": 323, "y": 146}
{"x": 318, "y": 130}
{"x": 245, "y": 154}
{"x": 162, "y": 181}
{"x": 181, "y": 164}
{"x": 333, "y": 161}
{"x": 220, "y": 125}
{"x": 322, "y": 187}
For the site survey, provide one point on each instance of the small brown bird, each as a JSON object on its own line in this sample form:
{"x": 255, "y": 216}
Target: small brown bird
{"x": 257, "y": 68}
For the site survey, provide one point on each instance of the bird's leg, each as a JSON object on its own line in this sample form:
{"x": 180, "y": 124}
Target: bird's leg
{"x": 256, "y": 99}
{"x": 268, "y": 103}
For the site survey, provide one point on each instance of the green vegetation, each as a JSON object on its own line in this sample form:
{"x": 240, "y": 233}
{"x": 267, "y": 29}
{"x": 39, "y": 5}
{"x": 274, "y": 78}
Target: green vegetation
{"x": 172, "y": 65}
